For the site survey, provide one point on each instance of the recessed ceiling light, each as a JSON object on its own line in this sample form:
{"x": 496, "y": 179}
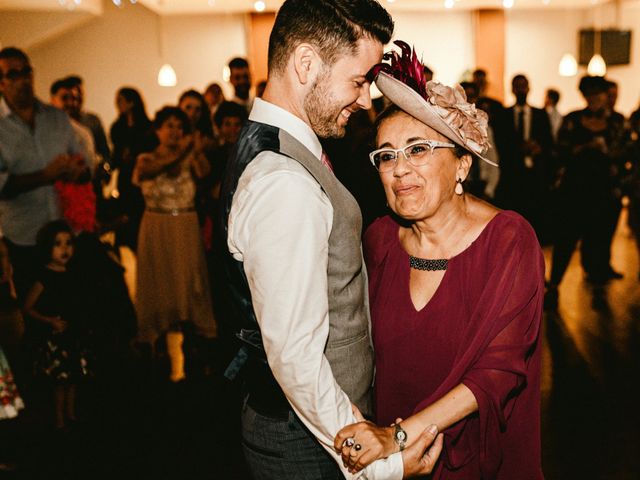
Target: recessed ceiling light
{"x": 259, "y": 6}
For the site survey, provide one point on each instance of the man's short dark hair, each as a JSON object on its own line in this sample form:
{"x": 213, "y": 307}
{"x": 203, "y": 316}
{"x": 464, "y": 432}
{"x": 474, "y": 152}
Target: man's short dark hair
{"x": 60, "y": 84}
{"x": 591, "y": 84}
{"x": 229, "y": 109}
{"x": 238, "y": 62}
{"x": 74, "y": 80}
{"x": 554, "y": 95}
{"x": 611, "y": 84}
{"x": 13, "y": 52}
{"x": 332, "y": 26}
{"x": 518, "y": 77}
{"x": 471, "y": 86}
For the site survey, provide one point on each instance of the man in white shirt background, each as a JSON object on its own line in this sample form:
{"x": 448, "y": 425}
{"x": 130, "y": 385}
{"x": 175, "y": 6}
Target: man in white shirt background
{"x": 551, "y": 99}
{"x": 240, "y": 79}
{"x": 294, "y": 260}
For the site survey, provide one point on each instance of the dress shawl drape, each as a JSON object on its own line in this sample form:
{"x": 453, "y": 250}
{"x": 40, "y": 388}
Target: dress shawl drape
{"x": 491, "y": 296}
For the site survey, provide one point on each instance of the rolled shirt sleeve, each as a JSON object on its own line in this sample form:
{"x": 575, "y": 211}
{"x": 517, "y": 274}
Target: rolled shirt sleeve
{"x": 279, "y": 227}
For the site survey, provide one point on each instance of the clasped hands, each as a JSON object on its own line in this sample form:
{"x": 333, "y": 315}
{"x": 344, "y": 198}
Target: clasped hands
{"x": 364, "y": 442}
{"x": 66, "y": 167}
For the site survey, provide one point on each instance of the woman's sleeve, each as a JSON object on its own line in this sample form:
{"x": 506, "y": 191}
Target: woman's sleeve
{"x": 498, "y": 350}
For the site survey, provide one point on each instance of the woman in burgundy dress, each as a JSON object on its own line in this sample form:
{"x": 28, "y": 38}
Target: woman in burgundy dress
{"x": 456, "y": 289}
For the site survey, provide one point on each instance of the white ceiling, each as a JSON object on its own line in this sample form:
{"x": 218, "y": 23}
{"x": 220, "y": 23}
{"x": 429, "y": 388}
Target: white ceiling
{"x": 175, "y": 7}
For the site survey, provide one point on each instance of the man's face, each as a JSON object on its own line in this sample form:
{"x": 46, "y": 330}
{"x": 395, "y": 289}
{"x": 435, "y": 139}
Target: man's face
{"x": 65, "y": 100}
{"x": 240, "y": 78}
{"x": 520, "y": 89}
{"x": 342, "y": 89}
{"x": 16, "y": 82}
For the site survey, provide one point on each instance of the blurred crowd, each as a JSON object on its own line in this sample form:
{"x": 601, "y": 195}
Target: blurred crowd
{"x": 73, "y": 197}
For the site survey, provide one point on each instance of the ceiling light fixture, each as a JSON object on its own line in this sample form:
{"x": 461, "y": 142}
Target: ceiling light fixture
{"x": 259, "y": 6}
{"x": 568, "y": 66}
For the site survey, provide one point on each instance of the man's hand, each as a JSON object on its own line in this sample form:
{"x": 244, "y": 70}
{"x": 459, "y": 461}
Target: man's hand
{"x": 60, "y": 167}
{"x": 418, "y": 459}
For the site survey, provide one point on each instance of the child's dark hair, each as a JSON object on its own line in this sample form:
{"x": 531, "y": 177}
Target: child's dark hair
{"x": 46, "y": 238}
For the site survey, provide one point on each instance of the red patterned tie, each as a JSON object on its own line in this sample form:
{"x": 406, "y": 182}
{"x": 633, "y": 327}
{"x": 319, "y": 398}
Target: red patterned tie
{"x": 325, "y": 159}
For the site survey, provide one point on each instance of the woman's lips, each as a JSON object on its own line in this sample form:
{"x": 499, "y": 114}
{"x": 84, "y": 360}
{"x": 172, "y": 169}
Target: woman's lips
{"x": 404, "y": 189}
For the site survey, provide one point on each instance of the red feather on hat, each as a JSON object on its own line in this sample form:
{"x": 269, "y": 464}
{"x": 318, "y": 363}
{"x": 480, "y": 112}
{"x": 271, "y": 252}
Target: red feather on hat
{"x": 405, "y": 67}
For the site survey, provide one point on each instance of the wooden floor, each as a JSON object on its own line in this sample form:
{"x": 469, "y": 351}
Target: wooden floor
{"x": 591, "y": 373}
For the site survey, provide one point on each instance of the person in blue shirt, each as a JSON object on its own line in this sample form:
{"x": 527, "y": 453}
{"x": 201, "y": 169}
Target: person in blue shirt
{"x": 37, "y": 148}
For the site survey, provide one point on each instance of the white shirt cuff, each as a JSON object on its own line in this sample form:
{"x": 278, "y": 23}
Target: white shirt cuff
{"x": 390, "y": 468}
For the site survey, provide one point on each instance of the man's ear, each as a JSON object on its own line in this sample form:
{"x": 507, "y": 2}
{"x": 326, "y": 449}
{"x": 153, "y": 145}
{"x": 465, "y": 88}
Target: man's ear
{"x": 307, "y": 63}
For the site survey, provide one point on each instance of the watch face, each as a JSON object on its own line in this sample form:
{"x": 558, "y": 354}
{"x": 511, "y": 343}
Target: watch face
{"x": 401, "y": 435}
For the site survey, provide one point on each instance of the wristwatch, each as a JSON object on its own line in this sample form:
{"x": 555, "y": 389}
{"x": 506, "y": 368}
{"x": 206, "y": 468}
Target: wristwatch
{"x": 400, "y": 436}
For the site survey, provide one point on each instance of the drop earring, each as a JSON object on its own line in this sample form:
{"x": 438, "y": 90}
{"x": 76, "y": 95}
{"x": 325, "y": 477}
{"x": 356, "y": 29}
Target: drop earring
{"x": 459, "y": 190}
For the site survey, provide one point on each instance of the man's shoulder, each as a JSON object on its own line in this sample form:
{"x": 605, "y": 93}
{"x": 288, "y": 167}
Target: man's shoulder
{"x": 51, "y": 113}
{"x": 268, "y": 163}
{"x": 90, "y": 119}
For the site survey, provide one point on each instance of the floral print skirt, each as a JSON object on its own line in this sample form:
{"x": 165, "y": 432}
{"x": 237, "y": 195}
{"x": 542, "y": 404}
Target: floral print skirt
{"x": 10, "y": 401}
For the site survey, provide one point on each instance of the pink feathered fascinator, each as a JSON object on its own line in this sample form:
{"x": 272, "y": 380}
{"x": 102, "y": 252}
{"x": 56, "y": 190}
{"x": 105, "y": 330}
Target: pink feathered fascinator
{"x": 443, "y": 108}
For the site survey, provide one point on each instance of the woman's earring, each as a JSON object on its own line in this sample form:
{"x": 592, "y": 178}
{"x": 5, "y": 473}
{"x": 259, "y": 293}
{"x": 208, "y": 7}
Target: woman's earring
{"x": 459, "y": 190}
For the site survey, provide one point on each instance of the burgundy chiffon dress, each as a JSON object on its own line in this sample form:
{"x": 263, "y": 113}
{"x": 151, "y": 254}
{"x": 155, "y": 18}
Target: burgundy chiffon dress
{"x": 480, "y": 328}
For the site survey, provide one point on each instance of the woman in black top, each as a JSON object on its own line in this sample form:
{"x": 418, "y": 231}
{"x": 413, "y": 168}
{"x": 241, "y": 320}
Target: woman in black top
{"x": 131, "y": 135}
{"x": 590, "y": 145}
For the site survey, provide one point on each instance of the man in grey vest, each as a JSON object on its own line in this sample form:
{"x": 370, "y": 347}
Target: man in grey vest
{"x": 294, "y": 261}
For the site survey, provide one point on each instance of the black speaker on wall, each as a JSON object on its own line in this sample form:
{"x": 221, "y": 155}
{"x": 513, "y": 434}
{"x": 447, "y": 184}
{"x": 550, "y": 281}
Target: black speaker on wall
{"x": 615, "y": 46}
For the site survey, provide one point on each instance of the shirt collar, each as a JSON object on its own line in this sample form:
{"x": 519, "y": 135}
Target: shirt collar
{"x": 5, "y": 110}
{"x": 265, "y": 112}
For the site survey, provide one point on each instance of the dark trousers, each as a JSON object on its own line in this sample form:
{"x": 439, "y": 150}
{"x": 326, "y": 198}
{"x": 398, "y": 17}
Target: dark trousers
{"x": 25, "y": 262}
{"x": 279, "y": 447}
{"x": 589, "y": 222}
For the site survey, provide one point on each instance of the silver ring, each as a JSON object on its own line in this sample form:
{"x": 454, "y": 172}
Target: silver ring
{"x": 349, "y": 442}
{"x": 357, "y": 447}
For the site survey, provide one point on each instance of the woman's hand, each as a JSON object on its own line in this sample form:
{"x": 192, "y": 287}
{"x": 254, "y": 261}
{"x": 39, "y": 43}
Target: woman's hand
{"x": 419, "y": 459}
{"x": 364, "y": 442}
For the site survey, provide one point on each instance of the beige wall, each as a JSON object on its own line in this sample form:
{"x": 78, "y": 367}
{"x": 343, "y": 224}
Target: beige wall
{"x": 537, "y": 39}
{"x": 121, "y": 47}
{"x": 443, "y": 39}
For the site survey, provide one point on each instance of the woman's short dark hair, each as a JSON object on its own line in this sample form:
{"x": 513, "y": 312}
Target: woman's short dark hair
{"x": 590, "y": 85}
{"x": 165, "y": 113}
{"x": 46, "y": 238}
{"x": 229, "y": 109}
{"x": 392, "y": 110}
{"x": 333, "y": 26}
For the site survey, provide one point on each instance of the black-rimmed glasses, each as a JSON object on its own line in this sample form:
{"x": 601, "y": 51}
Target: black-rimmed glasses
{"x": 417, "y": 154}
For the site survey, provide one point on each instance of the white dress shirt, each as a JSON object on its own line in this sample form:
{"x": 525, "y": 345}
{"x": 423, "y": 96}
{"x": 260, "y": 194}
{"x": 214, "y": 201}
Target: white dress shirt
{"x": 279, "y": 227}
{"x": 526, "y": 109}
{"x": 555, "y": 119}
